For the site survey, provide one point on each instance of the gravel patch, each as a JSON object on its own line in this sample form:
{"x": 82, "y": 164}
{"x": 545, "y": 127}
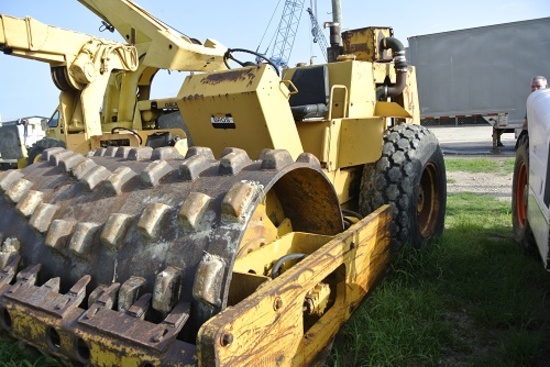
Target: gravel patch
{"x": 494, "y": 184}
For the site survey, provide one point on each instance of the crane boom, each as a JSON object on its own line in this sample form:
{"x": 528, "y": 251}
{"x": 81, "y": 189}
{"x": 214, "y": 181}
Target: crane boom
{"x": 317, "y": 33}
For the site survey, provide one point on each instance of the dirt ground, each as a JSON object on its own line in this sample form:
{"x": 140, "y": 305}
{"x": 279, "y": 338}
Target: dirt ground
{"x": 496, "y": 185}
{"x": 476, "y": 141}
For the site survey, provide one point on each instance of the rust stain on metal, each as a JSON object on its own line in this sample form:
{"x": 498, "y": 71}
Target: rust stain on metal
{"x": 193, "y": 97}
{"x": 232, "y": 75}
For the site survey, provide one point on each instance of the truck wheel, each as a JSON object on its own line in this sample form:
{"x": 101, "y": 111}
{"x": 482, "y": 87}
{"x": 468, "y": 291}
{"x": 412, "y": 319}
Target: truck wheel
{"x": 35, "y": 152}
{"x": 520, "y": 191}
{"x": 410, "y": 176}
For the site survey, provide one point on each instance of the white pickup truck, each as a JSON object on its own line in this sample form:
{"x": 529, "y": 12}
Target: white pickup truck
{"x": 16, "y": 136}
{"x": 531, "y": 183}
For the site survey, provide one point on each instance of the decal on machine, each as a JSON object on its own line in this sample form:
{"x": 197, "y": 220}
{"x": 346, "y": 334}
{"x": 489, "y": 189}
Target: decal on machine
{"x": 222, "y": 121}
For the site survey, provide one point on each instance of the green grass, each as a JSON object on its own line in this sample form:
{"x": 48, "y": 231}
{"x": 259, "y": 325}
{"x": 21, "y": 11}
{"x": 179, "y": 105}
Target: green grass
{"x": 473, "y": 299}
{"x": 477, "y": 165}
{"x": 15, "y": 354}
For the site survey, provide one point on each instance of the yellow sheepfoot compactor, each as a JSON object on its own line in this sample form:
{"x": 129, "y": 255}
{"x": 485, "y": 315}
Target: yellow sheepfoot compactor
{"x": 142, "y": 257}
{"x": 248, "y": 239}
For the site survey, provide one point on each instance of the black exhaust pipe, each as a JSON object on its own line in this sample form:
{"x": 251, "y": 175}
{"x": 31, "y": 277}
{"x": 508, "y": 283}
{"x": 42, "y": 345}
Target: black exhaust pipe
{"x": 400, "y": 64}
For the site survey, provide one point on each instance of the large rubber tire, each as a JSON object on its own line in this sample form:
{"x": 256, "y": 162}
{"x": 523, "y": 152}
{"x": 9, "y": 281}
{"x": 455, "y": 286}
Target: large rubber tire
{"x": 37, "y": 148}
{"x": 520, "y": 191}
{"x": 410, "y": 176}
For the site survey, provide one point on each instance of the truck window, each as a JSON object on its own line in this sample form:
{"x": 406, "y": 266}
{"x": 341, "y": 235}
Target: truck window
{"x": 54, "y": 120}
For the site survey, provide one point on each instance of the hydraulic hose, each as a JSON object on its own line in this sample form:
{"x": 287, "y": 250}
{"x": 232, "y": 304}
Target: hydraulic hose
{"x": 282, "y": 260}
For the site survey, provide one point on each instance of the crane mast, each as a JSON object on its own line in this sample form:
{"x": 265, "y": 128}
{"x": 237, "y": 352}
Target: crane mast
{"x": 286, "y": 32}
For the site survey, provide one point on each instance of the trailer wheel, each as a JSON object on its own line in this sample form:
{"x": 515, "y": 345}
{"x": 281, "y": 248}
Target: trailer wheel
{"x": 520, "y": 191}
{"x": 410, "y": 176}
{"x": 35, "y": 152}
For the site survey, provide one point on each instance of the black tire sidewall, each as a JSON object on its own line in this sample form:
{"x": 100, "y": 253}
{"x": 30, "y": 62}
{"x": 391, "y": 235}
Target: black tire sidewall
{"x": 428, "y": 152}
{"x": 522, "y": 234}
{"x": 395, "y": 179}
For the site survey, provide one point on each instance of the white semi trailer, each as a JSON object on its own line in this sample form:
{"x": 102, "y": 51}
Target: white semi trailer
{"x": 482, "y": 72}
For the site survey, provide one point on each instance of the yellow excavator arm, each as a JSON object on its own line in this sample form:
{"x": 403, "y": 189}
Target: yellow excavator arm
{"x": 80, "y": 64}
{"x": 32, "y": 39}
{"x": 160, "y": 45}
{"x": 91, "y": 101}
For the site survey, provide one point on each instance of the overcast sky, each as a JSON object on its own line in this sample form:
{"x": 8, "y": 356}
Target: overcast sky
{"x": 27, "y": 88}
